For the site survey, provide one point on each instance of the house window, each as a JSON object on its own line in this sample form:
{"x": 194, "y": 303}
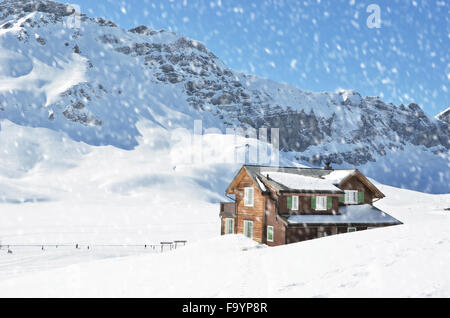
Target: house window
{"x": 248, "y": 228}
{"x": 292, "y": 202}
{"x": 321, "y": 203}
{"x": 270, "y": 233}
{"x": 351, "y": 229}
{"x": 229, "y": 226}
{"x": 248, "y": 196}
{"x": 351, "y": 197}
{"x": 295, "y": 203}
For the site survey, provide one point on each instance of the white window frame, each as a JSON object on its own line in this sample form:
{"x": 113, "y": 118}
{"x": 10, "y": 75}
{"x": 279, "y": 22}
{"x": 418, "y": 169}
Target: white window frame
{"x": 247, "y": 191}
{"x": 228, "y": 227}
{"x": 351, "y": 197}
{"x": 295, "y": 202}
{"x": 323, "y": 201}
{"x": 351, "y": 228}
{"x": 270, "y": 227}
{"x": 246, "y": 222}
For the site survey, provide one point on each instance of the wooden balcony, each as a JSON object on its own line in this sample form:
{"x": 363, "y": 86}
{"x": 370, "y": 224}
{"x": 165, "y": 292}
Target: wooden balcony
{"x": 228, "y": 209}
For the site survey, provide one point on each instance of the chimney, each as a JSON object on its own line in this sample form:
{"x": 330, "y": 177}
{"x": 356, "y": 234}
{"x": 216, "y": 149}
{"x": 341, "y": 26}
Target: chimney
{"x": 328, "y": 166}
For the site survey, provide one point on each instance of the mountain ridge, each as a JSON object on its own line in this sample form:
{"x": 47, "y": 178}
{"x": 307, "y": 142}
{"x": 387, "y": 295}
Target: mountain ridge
{"x": 96, "y": 81}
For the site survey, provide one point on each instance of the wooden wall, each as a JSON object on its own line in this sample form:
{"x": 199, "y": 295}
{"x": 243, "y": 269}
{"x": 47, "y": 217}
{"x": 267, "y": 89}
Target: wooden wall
{"x": 255, "y": 213}
{"x": 353, "y": 183}
{"x": 272, "y": 219}
{"x": 304, "y": 204}
{"x": 298, "y": 234}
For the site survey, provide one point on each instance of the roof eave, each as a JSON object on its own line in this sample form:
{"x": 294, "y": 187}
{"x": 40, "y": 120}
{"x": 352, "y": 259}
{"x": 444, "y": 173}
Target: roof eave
{"x": 228, "y": 190}
{"x": 312, "y": 191}
{"x": 366, "y": 181}
{"x": 381, "y": 224}
{"x": 237, "y": 178}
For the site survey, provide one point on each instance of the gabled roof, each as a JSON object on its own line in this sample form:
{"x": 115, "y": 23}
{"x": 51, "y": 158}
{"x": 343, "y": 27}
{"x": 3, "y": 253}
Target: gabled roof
{"x": 294, "y": 182}
{"x": 299, "y": 179}
{"x": 349, "y": 215}
{"x": 337, "y": 176}
{"x": 255, "y": 178}
{"x": 295, "y": 179}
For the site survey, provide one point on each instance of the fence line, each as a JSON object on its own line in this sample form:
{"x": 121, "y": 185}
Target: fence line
{"x": 170, "y": 245}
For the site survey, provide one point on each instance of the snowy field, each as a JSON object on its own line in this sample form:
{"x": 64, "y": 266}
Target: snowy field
{"x": 26, "y": 259}
{"x": 57, "y": 191}
{"x": 409, "y": 260}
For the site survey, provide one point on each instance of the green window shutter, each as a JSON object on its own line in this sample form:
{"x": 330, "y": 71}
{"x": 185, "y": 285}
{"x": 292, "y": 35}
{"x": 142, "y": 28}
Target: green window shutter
{"x": 289, "y": 202}
{"x": 270, "y": 233}
{"x": 329, "y": 202}
{"x": 313, "y": 203}
{"x": 360, "y": 197}
{"x": 342, "y": 199}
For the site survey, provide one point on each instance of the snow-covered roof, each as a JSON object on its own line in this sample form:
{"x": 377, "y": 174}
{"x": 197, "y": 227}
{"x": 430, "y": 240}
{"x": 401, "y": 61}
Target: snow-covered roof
{"x": 261, "y": 185}
{"x": 300, "y": 182}
{"x": 349, "y": 214}
{"x": 304, "y": 180}
{"x": 336, "y": 176}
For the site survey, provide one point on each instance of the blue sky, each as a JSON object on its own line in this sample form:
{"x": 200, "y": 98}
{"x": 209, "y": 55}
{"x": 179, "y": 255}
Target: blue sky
{"x": 317, "y": 45}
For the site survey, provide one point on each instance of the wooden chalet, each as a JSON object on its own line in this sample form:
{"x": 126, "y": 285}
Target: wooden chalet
{"x": 282, "y": 205}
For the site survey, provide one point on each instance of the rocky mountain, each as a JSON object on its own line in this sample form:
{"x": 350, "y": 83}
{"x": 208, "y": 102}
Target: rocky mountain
{"x": 444, "y": 116}
{"x": 94, "y": 80}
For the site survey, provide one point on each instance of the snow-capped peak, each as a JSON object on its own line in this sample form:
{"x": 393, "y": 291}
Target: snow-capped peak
{"x": 351, "y": 97}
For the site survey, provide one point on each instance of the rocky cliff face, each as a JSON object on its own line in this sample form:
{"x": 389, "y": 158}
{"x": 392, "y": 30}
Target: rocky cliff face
{"x": 444, "y": 116}
{"x": 95, "y": 81}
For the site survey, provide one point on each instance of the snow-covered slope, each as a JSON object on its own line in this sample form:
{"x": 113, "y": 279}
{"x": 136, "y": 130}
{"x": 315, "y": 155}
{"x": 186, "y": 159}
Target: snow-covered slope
{"x": 95, "y": 81}
{"x": 409, "y": 260}
{"x": 56, "y": 190}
